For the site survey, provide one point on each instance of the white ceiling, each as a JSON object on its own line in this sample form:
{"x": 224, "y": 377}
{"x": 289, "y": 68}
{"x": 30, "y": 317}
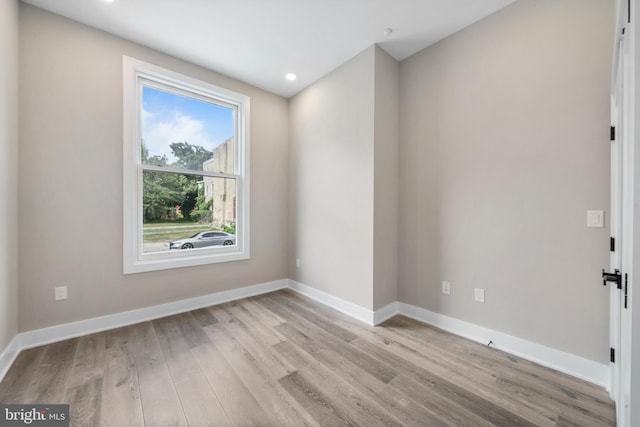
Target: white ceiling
{"x": 259, "y": 41}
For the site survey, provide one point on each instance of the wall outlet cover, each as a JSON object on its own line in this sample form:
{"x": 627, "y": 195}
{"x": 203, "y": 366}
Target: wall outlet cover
{"x": 478, "y": 294}
{"x": 446, "y": 288}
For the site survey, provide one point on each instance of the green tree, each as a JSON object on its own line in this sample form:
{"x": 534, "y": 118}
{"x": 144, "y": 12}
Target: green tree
{"x": 154, "y": 160}
{"x": 164, "y": 191}
{"x": 203, "y": 211}
{"x": 190, "y": 156}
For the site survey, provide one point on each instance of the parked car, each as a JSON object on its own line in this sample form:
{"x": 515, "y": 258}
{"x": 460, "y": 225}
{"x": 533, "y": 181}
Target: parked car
{"x": 204, "y": 238}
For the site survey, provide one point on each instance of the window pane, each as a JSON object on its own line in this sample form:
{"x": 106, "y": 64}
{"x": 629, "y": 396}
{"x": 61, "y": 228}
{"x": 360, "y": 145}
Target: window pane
{"x": 221, "y": 193}
{"x": 186, "y": 132}
{"x": 181, "y": 208}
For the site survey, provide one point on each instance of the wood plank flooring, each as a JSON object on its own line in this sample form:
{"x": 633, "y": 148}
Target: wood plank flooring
{"x": 284, "y": 360}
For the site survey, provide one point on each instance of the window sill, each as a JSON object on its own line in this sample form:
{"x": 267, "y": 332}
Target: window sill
{"x": 174, "y": 259}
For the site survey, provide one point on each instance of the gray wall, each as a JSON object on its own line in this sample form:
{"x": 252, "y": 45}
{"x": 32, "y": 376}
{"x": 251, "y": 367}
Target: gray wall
{"x": 70, "y": 179}
{"x": 503, "y": 133}
{"x": 385, "y": 179}
{"x": 8, "y": 171}
{"x": 331, "y": 139}
{"x": 344, "y": 182}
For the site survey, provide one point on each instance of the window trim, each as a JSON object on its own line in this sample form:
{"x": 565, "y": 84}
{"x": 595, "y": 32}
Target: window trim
{"x": 134, "y": 260}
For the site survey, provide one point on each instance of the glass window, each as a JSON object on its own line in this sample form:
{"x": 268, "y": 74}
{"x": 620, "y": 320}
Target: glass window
{"x": 186, "y": 170}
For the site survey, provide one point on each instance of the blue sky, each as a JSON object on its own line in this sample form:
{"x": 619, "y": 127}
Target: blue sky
{"x": 169, "y": 117}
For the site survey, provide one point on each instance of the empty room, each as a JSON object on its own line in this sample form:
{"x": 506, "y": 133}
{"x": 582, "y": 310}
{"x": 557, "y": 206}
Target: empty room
{"x": 319, "y": 213}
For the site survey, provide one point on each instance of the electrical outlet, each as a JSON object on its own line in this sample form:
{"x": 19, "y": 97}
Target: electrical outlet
{"x": 478, "y": 294}
{"x": 60, "y": 293}
{"x": 446, "y": 288}
{"x": 297, "y": 262}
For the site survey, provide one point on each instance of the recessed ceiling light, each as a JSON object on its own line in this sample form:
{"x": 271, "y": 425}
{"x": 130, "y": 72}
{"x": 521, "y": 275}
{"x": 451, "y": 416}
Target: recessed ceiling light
{"x": 387, "y": 32}
{"x": 109, "y": 1}
{"x": 291, "y": 76}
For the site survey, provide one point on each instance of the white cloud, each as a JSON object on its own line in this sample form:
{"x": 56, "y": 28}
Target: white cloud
{"x": 146, "y": 116}
{"x": 159, "y": 132}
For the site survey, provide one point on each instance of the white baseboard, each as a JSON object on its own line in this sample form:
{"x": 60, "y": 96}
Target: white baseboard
{"x": 38, "y": 337}
{"x": 8, "y": 356}
{"x": 56, "y": 333}
{"x": 346, "y": 307}
{"x": 568, "y": 363}
{"x": 564, "y": 362}
{"x": 386, "y": 312}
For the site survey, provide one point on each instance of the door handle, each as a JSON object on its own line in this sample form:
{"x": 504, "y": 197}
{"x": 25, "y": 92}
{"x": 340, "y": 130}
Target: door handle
{"x": 614, "y": 277}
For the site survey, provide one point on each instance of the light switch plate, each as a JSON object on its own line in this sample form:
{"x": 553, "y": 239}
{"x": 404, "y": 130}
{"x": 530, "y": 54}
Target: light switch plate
{"x": 595, "y": 219}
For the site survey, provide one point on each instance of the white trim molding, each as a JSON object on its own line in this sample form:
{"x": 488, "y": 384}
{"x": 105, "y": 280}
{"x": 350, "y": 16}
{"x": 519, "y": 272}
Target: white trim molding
{"x": 567, "y": 363}
{"x": 9, "y": 355}
{"x": 386, "y": 312}
{"x": 38, "y": 337}
{"x": 344, "y": 306}
{"x": 56, "y": 333}
{"x": 571, "y": 364}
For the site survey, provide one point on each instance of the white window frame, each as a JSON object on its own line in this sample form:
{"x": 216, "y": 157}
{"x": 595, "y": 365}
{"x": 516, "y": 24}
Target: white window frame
{"x": 134, "y": 259}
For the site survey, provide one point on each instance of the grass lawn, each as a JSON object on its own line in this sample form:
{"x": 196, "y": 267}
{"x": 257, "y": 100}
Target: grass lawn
{"x": 167, "y": 231}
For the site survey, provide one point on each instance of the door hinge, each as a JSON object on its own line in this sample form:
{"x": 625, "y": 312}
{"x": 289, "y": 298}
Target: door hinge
{"x": 614, "y": 277}
{"x": 626, "y": 289}
{"x": 612, "y": 356}
{"x": 612, "y": 244}
{"x": 612, "y": 135}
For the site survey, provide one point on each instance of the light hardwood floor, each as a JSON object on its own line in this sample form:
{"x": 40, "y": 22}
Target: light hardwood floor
{"x": 283, "y": 360}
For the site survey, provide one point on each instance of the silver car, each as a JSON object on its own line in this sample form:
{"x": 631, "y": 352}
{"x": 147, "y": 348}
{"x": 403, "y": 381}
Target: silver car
{"x": 204, "y": 238}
